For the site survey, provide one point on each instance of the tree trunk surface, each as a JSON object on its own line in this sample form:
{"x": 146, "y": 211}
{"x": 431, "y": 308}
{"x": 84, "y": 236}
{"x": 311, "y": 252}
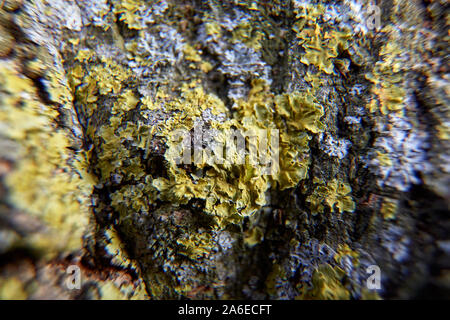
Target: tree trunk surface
{"x": 352, "y": 96}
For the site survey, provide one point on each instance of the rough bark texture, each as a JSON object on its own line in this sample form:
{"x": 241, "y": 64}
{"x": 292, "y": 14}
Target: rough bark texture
{"x": 92, "y": 92}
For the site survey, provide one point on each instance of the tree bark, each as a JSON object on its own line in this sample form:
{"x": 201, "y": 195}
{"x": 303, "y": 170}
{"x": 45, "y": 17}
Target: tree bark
{"x": 92, "y": 93}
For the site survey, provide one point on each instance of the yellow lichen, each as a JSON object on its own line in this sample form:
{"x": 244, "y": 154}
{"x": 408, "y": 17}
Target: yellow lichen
{"x": 327, "y": 284}
{"x": 345, "y": 251}
{"x": 253, "y": 236}
{"x": 12, "y": 289}
{"x": 389, "y": 208}
{"x": 300, "y": 112}
{"x": 386, "y": 77}
{"x": 191, "y": 54}
{"x": 277, "y": 273}
{"x": 333, "y": 194}
{"x": 195, "y": 246}
{"x": 213, "y": 29}
{"x": 48, "y": 180}
{"x": 384, "y": 159}
{"x": 321, "y": 47}
{"x": 128, "y": 11}
{"x": 230, "y": 189}
{"x": 248, "y": 35}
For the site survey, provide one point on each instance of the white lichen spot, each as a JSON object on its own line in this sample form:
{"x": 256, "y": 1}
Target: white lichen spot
{"x": 352, "y": 120}
{"x": 334, "y": 147}
{"x": 225, "y": 240}
{"x": 403, "y": 154}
